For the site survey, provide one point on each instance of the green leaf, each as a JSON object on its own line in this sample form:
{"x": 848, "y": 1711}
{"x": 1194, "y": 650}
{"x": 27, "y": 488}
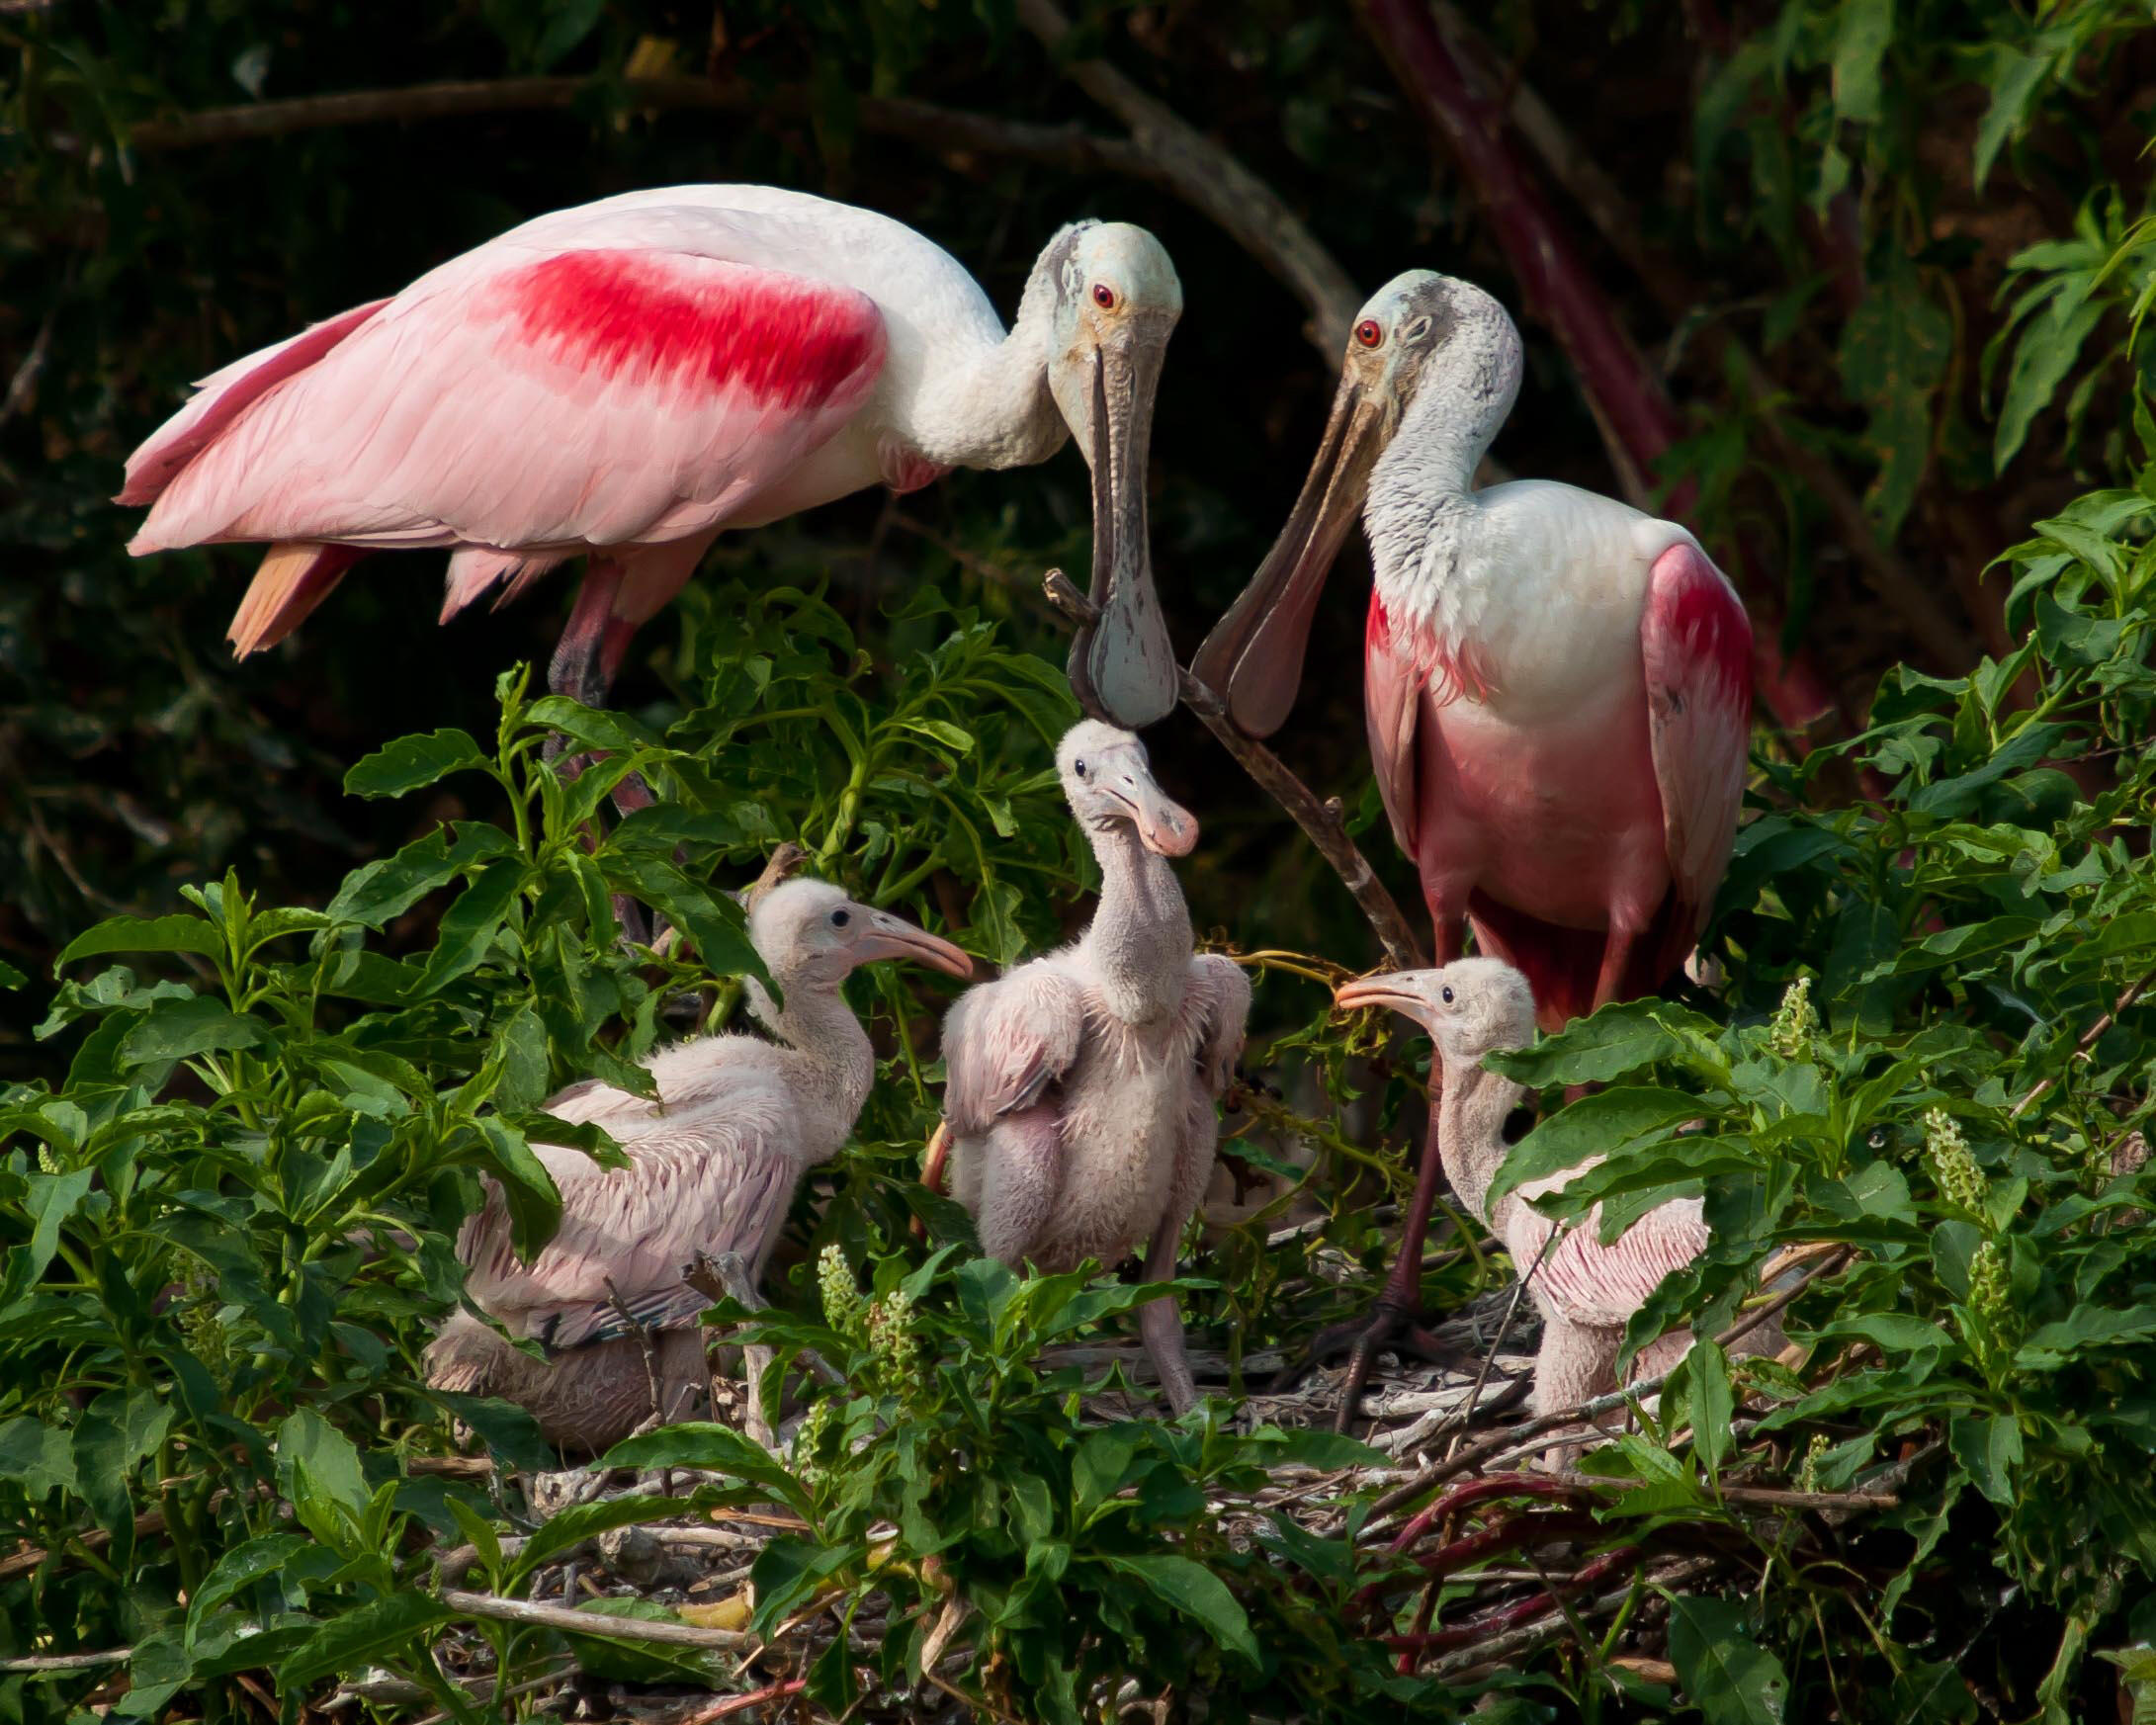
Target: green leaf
{"x": 717, "y": 1449}
{"x": 412, "y": 762}
{"x": 2015, "y": 80}
{"x": 381, "y": 891}
{"x": 1619, "y": 1039}
{"x": 179, "y": 1029}
{"x": 48, "y": 1202}
{"x": 178, "y": 933}
{"x": 2044, "y": 353}
{"x": 120, "y": 1428}
{"x": 360, "y": 1637}
{"x": 1603, "y": 1124}
{"x": 714, "y": 921}
{"x": 591, "y": 726}
{"x": 470, "y": 926}
{"x": 1990, "y": 1450}
{"x": 527, "y": 1189}
{"x": 1860, "y": 43}
{"x": 582, "y": 1522}
{"x": 1712, "y": 1405}
{"x": 1194, "y": 1591}
{"x": 2091, "y": 1327}
{"x": 1726, "y": 1674}
{"x": 39, "y": 1458}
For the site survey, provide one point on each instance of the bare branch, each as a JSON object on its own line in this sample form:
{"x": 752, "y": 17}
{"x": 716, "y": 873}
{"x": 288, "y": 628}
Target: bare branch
{"x": 1204, "y": 175}
{"x": 594, "y": 1623}
{"x": 1618, "y": 223}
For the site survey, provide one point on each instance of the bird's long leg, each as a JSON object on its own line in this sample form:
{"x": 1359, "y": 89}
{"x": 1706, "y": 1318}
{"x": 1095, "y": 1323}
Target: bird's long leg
{"x": 586, "y": 660}
{"x": 1391, "y": 1319}
{"x": 1161, "y": 1322}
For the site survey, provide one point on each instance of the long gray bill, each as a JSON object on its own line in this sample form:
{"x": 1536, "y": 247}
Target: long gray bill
{"x": 1122, "y": 666}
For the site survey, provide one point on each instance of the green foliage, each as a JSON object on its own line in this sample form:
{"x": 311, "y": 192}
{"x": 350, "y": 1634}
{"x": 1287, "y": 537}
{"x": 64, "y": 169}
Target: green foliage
{"x": 1085, "y": 1554}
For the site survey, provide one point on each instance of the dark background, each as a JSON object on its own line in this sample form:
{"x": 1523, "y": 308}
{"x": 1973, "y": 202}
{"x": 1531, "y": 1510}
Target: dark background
{"x": 1812, "y": 199}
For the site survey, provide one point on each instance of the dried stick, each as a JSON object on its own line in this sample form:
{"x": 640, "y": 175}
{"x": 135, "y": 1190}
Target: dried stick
{"x": 60, "y": 1662}
{"x": 1162, "y": 150}
{"x": 1323, "y": 822}
{"x": 642, "y": 1332}
{"x": 1540, "y": 1605}
{"x": 739, "y": 1703}
{"x": 1215, "y": 182}
{"x": 1513, "y": 1642}
{"x": 593, "y": 1623}
{"x": 2089, "y": 1039}
{"x": 726, "y": 1277}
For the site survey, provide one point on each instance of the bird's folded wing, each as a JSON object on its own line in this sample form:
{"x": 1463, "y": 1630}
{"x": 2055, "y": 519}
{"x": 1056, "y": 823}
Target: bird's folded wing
{"x": 611, "y": 385}
{"x": 1006, "y": 1040}
{"x": 1695, "y": 642}
{"x": 1603, "y": 1285}
{"x": 1218, "y": 997}
{"x": 1391, "y": 709}
{"x": 715, "y": 1184}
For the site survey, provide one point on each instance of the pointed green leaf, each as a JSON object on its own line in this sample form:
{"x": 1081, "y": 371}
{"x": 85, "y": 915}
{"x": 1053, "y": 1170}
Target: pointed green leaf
{"x": 412, "y": 762}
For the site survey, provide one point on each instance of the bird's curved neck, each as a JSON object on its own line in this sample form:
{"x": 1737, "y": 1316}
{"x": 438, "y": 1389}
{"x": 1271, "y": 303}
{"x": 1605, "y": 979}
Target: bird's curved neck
{"x": 1471, "y": 1118}
{"x": 1428, "y": 469}
{"x": 1139, "y": 938}
{"x": 831, "y": 1061}
{"x": 993, "y": 408}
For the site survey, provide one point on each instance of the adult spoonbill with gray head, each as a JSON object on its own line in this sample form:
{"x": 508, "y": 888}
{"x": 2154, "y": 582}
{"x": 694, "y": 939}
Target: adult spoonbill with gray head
{"x": 625, "y": 380}
{"x": 1557, "y": 686}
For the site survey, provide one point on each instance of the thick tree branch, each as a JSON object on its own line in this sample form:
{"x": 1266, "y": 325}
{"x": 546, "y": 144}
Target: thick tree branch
{"x": 1205, "y": 176}
{"x": 1321, "y": 822}
{"x": 1621, "y": 230}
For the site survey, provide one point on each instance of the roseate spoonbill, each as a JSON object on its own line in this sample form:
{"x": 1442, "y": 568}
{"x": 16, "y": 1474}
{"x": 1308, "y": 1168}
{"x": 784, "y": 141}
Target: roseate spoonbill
{"x": 1557, "y": 686}
{"x": 712, "y": 1169}
{"x": 1584, "y": 1290}
{"x": 1082, "y": 1089}
{"x": 627, "y": 379}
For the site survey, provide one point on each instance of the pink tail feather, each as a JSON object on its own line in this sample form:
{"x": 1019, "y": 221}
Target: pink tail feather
{"x": 295, "y": 577}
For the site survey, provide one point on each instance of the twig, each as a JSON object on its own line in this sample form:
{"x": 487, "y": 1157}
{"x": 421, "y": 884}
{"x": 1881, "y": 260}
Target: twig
{"x": 741, "y": 1703}
{"x": 1208, "y": 178}
{"x": 57, "y": 1662}
{"x": 483, "y": 1689}
{"x": 727, "y": 1276}
{"x": 1323, "y": 822}
{"x": 2089, "y": 1039}
{"x": 981, "y": 1702}
{"x": 1520, "y": 1640}
{"x": 642, "y": 1332}
{"x": 1585, "y": 1413}
{"x": 595, "y": 1623}
{"x": 1540, "y": 1605}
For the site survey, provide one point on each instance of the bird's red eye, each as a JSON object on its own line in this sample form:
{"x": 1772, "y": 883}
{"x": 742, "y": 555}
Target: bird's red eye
{"x": 1368, "y": 333}
{"x": 1104, "y": 295}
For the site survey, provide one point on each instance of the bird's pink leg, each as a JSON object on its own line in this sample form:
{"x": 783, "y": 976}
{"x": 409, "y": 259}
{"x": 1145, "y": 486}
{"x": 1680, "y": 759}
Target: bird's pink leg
{"x": 588, "y": 654}
{"x": 1161, "y": 1322}
{"x": 1391, "y": 1319}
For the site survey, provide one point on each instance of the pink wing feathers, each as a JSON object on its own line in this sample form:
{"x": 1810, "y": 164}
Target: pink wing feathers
{"x": 1217, "y": 997}
{"x": 1596, "y": 1285}
{"x": 1005, "y": 1042}
{"x": 588, "y": 398}
{"x": 1391, "y": 708}
{"x": 522, "y": 398}
{"x": 712, "y": 1182}
{"x": 1697, "y": 645}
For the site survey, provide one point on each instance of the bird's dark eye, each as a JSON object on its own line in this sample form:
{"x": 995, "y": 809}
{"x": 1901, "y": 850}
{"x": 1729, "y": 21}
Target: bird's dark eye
{"x": 1448, "y": 996}
{"x": 1079, "y": 767}
{"x": 1104, "y": 295}
{"x": 839, "y": 918}
{"x": 1368, "y": 333}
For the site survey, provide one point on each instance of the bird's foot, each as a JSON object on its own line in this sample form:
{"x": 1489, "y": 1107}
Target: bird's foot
{"x": 1391, "y": 1323}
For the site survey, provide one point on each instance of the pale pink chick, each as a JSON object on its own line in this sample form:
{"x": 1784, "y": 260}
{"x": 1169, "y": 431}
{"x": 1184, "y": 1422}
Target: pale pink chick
{"x": 1083, "y": 1084}
{"x": 714, "y": 1165}
{"x": 1584, "y": 1290}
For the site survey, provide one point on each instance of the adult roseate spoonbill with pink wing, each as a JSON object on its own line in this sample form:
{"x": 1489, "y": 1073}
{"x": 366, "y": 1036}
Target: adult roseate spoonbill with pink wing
{"x": 1558, "y": 687}
{"x": 627, "y": 379}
